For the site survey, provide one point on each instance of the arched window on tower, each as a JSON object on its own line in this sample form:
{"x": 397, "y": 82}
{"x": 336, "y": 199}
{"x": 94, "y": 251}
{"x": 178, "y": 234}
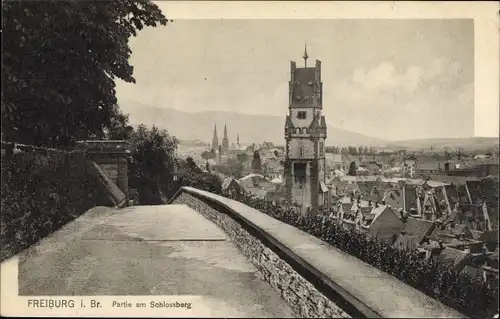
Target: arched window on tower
{"x": 321, "y": 148}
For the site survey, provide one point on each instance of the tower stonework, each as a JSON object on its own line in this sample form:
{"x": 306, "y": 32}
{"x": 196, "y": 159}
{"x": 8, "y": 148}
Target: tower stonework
{"x": 225, "y": 141}
{"x": 215, "y": 140}
{"x": 305, "y": 135}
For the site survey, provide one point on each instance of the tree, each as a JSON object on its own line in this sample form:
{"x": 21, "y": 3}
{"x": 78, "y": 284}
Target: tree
{"x": 119, "y": 128}
{"x": 60, "y": 59}
{"x": 194, "y": 177}
{"x": 152, "y": 164}
{"x": 206, "y": 155}
{"x": 236, "y": 168}
{"x": 242, "y": 157}
{"x": 192, "y": 165}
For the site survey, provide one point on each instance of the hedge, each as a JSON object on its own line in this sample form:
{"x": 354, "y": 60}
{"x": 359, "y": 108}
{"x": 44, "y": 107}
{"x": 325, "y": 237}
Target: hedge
{"x": 467, "y": 295}
{"x": 42, "y": 190}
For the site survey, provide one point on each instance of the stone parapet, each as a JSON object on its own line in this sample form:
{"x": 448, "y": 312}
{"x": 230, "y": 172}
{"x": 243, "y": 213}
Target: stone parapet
{"x": 303, "y": 298}
{"x": 315, "y": 279}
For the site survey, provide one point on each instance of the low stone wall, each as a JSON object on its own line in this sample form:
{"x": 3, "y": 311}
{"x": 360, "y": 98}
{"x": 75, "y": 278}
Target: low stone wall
{"x": 314, "y": 278}
{"x": 304, "y": 299}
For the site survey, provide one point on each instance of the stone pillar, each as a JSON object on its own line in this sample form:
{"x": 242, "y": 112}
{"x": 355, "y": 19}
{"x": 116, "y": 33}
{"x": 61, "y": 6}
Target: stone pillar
{"x": 122, "y": 179}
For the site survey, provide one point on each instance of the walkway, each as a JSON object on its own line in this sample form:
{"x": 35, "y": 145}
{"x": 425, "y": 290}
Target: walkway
{"x": 149, "y": 250}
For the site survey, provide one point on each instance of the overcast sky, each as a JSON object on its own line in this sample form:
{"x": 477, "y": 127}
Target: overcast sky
{"x": 393, "y": 79}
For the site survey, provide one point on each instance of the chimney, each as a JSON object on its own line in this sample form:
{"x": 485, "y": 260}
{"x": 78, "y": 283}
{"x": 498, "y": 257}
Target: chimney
{"x": 370, "y": 202}
{"x": 441, "y": 245}
{"x": 401, "y": 213}
{"x": 376, "y": 204}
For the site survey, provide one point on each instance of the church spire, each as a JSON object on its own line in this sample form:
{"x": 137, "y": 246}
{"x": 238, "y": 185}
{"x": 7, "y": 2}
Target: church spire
{"x": 215, "y": 140}
{"x": 225, "y": 130}
{"x": 305, "y": 55}
{"x": 238, "y": 139}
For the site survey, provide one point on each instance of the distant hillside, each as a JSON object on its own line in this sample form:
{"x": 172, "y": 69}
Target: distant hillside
{"x": 469, "y": 143}
{"x": 251, "y": 128}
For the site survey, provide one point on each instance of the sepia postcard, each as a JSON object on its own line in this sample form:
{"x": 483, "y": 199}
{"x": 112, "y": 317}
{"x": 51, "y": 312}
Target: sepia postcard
{"x": 253, "y": 159}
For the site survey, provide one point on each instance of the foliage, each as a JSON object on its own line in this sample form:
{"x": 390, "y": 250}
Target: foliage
{"x": 193, "y": 176}
{"x": 119, "y": 128}
{"x": 206, "y": 155}
{"x": 150, "y": 171}
{"x": 242, "y": 157}
{"x": 41, "y": 192}
{"x": 60, "y": 59}
{"x": 457, "y": 290}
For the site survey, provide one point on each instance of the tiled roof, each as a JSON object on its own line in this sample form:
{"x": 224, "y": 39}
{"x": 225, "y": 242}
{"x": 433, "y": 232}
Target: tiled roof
{"x": 418, "y": 227}
{"x": 394, "y": 198}
{"x": 228, "y": 181}
{"x": 434, "y": 184}
{"x": 457, "y": 180}
{"x": 323, "y": 121}
{"x": 455, "y": 257}
{"x": 305, "y": 78}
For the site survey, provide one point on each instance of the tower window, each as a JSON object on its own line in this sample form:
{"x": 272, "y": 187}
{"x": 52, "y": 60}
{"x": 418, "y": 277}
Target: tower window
{"x": 321, "y": 148}
{"x": 301, "y": 115}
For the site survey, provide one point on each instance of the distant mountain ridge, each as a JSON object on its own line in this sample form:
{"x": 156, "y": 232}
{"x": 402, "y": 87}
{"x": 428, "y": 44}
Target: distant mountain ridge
{"x": 467, "y": 143}
{"x": 190, "y": 126}
{"x": 251, "y": 128}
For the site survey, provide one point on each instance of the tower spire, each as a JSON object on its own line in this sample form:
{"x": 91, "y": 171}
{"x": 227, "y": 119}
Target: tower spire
{"x": 305, "y": 55}
{"x": 215, "y": 140}
{"x": 225, "y": 130}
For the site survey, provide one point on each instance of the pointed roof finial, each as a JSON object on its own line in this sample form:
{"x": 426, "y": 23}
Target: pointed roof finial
{"x": 305, "y": 55}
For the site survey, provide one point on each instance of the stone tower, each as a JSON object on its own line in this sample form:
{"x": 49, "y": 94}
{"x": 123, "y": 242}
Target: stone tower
{"x": 215, "y": 140}
{"x": 305, "y": 134}
{"x": 225, "y": 141}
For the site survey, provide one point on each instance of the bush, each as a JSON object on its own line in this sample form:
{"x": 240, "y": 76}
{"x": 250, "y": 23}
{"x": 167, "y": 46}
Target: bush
{"x": 42, "y": 191}
{"x": 190, "y": 175}
{"x": 457, "y": 290}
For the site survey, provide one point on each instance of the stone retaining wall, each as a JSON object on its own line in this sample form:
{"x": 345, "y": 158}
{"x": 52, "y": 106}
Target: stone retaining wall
{"x": 303, "y": 298}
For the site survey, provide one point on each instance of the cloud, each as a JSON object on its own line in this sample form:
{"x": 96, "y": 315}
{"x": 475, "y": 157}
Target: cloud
{"x": 385, "y": 77}
{"x": 417, "y": 101}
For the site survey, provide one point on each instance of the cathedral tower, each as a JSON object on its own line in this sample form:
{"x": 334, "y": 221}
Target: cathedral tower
{"x": 225, "y": 141}
{"x": 215, "y": 140}
{"x": 305, "y": 134}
